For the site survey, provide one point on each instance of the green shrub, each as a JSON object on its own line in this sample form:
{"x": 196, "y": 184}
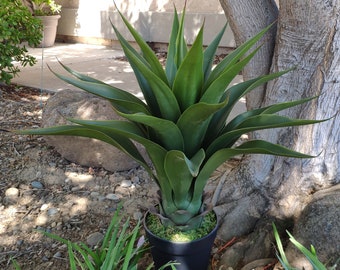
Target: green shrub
{"x": 17, "y": 25}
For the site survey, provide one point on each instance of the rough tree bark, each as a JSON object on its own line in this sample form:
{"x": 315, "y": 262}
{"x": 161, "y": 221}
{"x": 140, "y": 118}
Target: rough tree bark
{"x": 308, "y": 38}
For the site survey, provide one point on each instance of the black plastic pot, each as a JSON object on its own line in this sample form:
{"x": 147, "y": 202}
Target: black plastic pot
{"x": 194, "y": 255}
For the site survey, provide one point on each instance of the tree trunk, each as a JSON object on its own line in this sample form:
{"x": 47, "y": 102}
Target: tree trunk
{"x": 246, "y": 28}
{"x": 276, "y": 186}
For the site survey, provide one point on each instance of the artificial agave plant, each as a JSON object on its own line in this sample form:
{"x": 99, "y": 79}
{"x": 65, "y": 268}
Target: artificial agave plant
{"x": 182, "y": 120}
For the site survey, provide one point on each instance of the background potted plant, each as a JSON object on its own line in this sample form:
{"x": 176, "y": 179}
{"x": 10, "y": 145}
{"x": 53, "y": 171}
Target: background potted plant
{"x": 182, "y": 123}
{"x": 49, "y": 13}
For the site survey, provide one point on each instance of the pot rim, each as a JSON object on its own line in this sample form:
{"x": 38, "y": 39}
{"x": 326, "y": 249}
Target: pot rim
{"x": 183, "y": 243}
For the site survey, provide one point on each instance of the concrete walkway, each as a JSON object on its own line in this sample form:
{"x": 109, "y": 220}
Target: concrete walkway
{"x": 99, "y": 62}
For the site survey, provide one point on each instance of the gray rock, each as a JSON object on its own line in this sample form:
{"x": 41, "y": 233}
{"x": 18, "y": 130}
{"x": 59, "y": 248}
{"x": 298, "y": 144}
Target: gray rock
{"x": 94, "y": 194}
{"x": 318, "y": 225}
{"x": 52, "y": 211}
{"x": 94, "y": 238}
{"x": 84, "y": 151}
{"x": 113, "y": 197}
{"x": 37, "y": 185}
{"x": 126, "y": 183}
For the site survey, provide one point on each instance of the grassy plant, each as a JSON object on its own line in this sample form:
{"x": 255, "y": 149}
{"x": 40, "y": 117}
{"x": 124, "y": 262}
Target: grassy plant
{"x": 309, "y": 254}
{"x": 120, "y": 249}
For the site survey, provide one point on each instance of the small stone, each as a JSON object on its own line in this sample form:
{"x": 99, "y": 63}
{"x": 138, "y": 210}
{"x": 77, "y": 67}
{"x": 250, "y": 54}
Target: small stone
{"x": 101, "y": 198}
{"x": 137, "y": 215}
{"x": 37, "y": 185}
{"x": 12, "y": 193}
{"x": 57, "y": 255}
{"x": 94, "y": 194}
{"x": 20, "y": 242}
{"x": 44, "y": 207}
{"x": 52, "y": 211}
{"x": 113, "y": 197}
{"x": 75, "y": 189}
{"x": 136, "y": 180}
{"x": 94, "y": 238}
{"x": 125, "y": 183}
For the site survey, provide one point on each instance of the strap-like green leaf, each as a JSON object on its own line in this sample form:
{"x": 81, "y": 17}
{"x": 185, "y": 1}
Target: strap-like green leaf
{"x": 189, "y": 77}
{"x": 180, "y": 177}
{"x": 142, "y": 81}
{"x": 210, "y": 51}
{"x": 216, "y": 89}
{"x": 120, "y": 99}
{"x": 257, "y": 122}
{"x": 115, "y": 139}
{"x": 250, "y": 147}
{"x": 166, "y": 100}
{"x": 234, "y": 94}
{"x": 171, "y": 66}
{"x": 165, "y": 132}
{"x": 181, "y": 45}
{"x": 193, "y": 124}
{"x": 310, "y": 255}
{"x": 235, "y": 56}
{"x": 108, "y": 131}
{"x": 148, "y": 54}
{"x": 265, "y": 110}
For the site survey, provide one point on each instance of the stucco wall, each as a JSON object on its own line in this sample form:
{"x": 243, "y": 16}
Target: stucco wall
{"x": 82, "y": 20}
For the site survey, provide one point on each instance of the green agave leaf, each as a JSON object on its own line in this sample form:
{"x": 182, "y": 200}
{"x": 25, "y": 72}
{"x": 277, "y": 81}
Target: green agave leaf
{"x": 234, "y": 94}
{"x": 193, "y": 124}
{"x": 235, "y": 56}
{"x": 78, "y": 75}
{"x": 210, "y": 51}
{"x": 180, "y": 177}
{"x": 171, "y": 66}
{"x": 115, "y": 139}
{"x": 250, "y": 147}
{"x": 148, "y": 54}
{"x": 179, "y": 170}
{"x": 181, "y": 46}
{"x": 142, "y": 81}
{"x": 216, "y": 89}
{"x": 126, "y": 130}
{"x": 166, "y": 100}
{"x": 266, "y": 110}
{"x": 166, "y": 132}
{"x": 189, "y": 77}
{"x": 120, "y": 99}
{"x": 257, "y": 122}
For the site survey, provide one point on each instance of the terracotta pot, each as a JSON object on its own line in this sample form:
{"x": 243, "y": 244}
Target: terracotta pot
{"x": 50, "y": 24}
{"x": 191, "y": 255}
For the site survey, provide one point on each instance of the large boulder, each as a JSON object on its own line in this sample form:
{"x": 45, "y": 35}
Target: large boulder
{"x": 84, "y": 151}
{"x": 318, "y": 225}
